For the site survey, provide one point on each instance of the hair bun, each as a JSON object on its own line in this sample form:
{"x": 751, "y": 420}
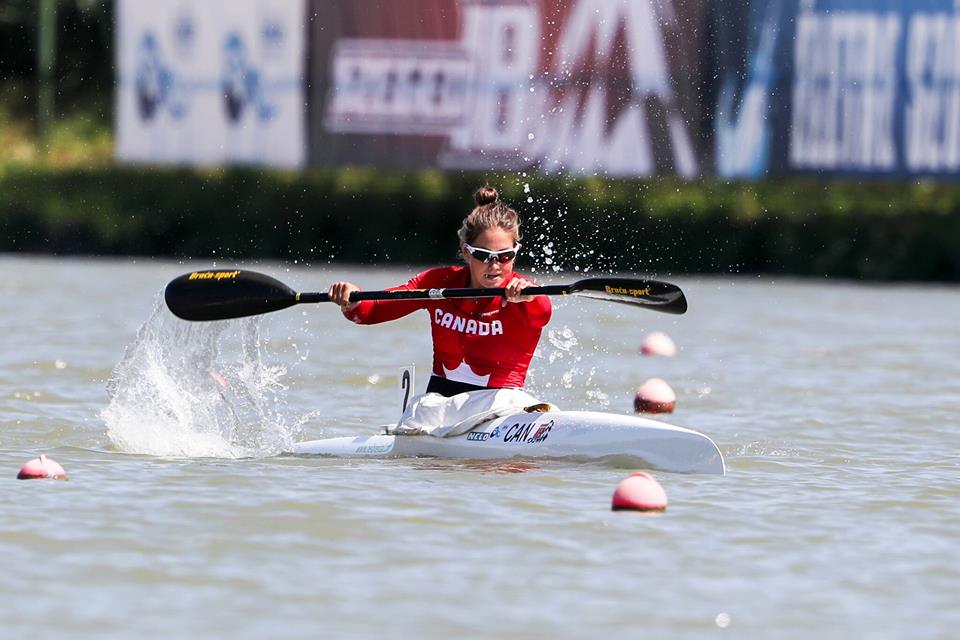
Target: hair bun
{"x": 485, "y": 195}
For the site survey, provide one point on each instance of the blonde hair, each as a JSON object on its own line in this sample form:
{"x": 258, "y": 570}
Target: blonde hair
{"x": 490, "y": 212}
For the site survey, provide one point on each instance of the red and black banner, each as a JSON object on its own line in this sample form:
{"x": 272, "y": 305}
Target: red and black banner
{"x": 612, "y": 87}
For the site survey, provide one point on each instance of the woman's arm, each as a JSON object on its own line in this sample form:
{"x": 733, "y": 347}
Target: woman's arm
{"x": 376, "y": 311}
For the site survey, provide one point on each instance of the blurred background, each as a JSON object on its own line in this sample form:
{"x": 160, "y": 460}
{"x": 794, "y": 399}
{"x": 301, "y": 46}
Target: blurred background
{"x": 806, "y": 137}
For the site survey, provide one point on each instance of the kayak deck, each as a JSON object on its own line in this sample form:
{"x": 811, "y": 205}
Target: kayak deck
{"x": 558, "y": 434}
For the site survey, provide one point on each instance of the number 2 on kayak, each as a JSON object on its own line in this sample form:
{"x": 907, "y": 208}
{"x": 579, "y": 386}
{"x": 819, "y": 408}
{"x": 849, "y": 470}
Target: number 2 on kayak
{"x": 407, "y": 384}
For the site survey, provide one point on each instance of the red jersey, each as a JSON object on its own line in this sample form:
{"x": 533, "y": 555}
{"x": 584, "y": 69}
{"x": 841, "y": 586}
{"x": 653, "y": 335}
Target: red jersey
{"x": 475, "y": 340}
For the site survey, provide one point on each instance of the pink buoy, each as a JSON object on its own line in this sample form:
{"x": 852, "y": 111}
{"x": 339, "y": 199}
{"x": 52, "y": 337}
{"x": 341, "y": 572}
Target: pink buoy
{"x": 658, "y": 344}
{"x": 654, "y": 396}
{"x": 219, "y": 379}
{"x": 42, "y": 467}
{"x": 639, "y": 492}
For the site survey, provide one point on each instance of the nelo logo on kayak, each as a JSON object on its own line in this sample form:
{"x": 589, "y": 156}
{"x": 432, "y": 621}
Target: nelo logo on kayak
{"x": 467, "y": 325}
{"x": 478, "y": 436}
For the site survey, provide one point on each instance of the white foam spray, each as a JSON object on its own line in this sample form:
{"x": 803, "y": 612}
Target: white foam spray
{"x": 198, "y": 389}
{"x": 560, "y": 371}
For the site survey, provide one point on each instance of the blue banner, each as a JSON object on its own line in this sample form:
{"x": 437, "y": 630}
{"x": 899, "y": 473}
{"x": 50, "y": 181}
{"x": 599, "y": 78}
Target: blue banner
{"x": 841, "y": 87}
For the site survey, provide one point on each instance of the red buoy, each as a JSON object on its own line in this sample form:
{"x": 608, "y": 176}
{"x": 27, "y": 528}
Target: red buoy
{"x": 658, "y": 344}
{"x": 654, "y": 396}
{"x": 639, "y": 492}
{"x": 42, "y": 467}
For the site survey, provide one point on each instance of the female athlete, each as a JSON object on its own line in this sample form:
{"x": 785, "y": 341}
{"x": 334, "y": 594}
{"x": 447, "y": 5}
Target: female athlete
{"x": 482, "y": 347}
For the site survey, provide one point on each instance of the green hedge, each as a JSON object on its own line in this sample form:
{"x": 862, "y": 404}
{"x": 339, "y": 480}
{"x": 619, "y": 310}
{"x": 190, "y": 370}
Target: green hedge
{"x": 860, "y": 230}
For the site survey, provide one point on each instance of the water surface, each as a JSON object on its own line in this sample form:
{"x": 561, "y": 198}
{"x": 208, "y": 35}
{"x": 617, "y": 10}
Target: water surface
{"x": 835, "y": 405}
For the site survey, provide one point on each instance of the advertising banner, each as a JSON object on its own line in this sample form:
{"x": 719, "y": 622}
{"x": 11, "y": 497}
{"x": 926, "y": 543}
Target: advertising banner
{"x": 585, "y": 87}
{"x": 752, "y": 74}
{"x": 212, "y": 82}
{"x": 631, "y": 88}
{"x": 840, "y": 87}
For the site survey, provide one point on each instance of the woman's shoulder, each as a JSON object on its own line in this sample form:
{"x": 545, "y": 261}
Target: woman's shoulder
{"x": 438, "y": 277}
{"x": 539, "y": 309}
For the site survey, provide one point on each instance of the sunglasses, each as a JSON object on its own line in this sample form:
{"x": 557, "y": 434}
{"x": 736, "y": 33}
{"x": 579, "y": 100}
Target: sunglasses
{"x": 486, "y": 256}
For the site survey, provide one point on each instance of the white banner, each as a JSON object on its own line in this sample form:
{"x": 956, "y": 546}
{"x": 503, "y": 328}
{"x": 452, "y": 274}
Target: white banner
{"x": 211, "y": 82}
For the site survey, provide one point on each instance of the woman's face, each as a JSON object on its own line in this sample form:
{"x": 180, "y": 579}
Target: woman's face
{"x": 493, "y": 273}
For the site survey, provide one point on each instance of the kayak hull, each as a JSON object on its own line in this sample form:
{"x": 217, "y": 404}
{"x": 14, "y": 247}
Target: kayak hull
{"x": 556, "y": 434}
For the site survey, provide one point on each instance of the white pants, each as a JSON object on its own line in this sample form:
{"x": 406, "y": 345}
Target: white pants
{"x": 441, "y": 416}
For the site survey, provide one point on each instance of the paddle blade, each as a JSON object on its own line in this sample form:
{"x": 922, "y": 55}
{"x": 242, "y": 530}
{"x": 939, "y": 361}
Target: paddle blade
{"x": 653, "y": 294}
{"x": 220, "y": 295}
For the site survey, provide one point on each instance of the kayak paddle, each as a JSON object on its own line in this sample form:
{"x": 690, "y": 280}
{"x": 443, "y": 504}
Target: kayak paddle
{"x": 218, "y": 294}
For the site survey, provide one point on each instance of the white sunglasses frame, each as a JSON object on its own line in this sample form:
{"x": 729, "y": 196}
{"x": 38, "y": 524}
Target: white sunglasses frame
{"x": 493, "y": 255}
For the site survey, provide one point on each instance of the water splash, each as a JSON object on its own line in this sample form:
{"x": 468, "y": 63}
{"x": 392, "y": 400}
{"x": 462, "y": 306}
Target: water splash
{"x": 563, "y": 340}
{"x": 561, "y": 371}
{"x": 198, "y": 389}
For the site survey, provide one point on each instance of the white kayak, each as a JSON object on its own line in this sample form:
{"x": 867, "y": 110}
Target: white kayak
{"x": 557, "y": 434}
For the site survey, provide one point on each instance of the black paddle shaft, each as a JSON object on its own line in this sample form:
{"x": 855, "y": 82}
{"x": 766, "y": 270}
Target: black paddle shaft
{"x": 224, "y": 294}
{"x": 436, "y": 294}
